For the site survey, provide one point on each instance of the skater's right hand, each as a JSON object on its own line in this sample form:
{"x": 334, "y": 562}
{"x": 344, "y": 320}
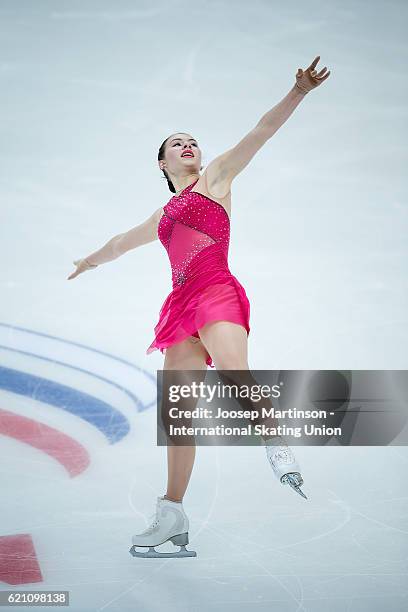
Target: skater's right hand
{"x": 82, "y": 265}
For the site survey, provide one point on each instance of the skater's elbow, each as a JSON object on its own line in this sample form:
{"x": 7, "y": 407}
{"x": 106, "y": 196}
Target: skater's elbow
{"x": 140, "y": 234}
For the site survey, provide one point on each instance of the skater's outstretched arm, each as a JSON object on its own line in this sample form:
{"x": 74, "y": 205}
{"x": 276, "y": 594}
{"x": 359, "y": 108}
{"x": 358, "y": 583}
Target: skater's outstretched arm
{"x": 120, "y": 244}
{"x": 233, "y": 161}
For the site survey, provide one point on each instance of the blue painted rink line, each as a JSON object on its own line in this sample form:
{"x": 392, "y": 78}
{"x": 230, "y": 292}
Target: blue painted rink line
{"x": 33, "y": 352}
{"x": 112, "y": 423}
{"x": 40, "y": 373}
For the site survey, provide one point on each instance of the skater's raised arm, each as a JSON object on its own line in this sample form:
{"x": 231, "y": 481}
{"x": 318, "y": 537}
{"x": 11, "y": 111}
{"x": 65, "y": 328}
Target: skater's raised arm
{"x": 120, "y": 244}
{"x": 232, "y": 162}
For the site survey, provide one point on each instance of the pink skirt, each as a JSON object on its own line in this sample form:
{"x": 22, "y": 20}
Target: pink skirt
{"x": 215, "y": 296}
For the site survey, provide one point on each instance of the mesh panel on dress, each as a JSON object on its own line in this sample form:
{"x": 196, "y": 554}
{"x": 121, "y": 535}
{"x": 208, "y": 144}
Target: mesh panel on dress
{"x": 185, "y": 244}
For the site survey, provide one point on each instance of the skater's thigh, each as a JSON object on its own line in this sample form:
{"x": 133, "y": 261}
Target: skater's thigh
{"x": 189, "y": 354}
{"x": 227, "y": 343}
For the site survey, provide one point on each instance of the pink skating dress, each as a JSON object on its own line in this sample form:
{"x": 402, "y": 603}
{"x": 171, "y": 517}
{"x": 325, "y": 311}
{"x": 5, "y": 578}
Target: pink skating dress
{"x": 195, "y": 231}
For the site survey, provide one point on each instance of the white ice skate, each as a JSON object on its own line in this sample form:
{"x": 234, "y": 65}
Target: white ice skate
{"x": 283, "y": 463}
{"x": 171, "y": 524}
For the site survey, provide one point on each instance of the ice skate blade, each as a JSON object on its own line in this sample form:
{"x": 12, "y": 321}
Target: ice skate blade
{"x": 154, "y": 554}
{"x": 295, "y": 480}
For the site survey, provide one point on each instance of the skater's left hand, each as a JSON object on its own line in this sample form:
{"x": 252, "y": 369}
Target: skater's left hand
{"x": 310, "y": 78}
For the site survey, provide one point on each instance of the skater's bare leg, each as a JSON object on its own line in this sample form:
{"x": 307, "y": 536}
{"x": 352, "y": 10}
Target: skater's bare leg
{"x": 227, "y": 344}
{"x": 189, "y": 354}
{"x": 180, "y": 461}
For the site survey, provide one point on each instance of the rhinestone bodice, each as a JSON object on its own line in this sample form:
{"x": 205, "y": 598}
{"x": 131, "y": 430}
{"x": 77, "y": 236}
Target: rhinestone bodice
{"x": 195, "y": 231}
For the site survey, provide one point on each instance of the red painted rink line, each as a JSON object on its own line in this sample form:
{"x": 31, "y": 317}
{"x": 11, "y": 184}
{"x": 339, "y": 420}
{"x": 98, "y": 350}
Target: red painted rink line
{"x": 18, "y": 560}
{"x": 72, "y": 455}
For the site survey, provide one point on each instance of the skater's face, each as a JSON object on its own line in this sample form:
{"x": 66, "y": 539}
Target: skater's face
{"x": 177, "y": 161}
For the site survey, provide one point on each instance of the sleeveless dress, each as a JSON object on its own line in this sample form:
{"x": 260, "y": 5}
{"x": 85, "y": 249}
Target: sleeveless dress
{"x": 195, "y": 231}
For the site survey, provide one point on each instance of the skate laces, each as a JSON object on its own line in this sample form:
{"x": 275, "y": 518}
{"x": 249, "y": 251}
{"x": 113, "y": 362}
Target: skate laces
{"x": 283, "y": 451}
{"x": 153, "y": 524}
{"x": 284, "y": 454}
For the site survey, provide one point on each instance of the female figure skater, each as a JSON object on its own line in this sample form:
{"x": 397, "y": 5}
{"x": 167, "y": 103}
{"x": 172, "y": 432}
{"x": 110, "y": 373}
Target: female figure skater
{"x": 205, "y": 319}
